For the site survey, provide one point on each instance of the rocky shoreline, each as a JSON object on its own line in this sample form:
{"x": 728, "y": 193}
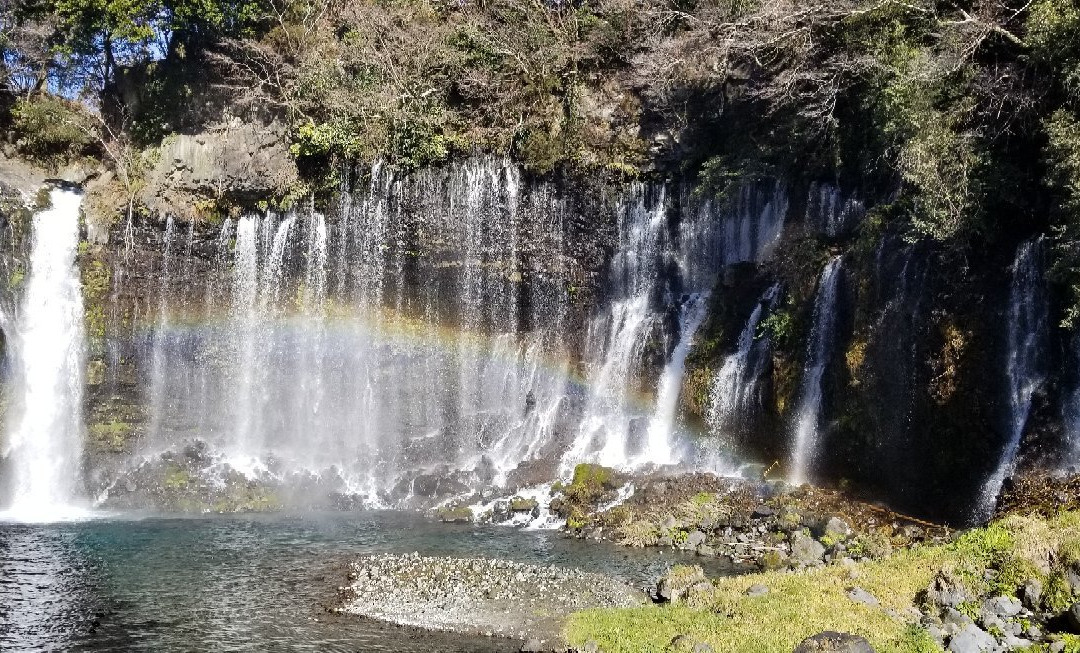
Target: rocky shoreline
{"x": 989, "y": 591}
{"x": 756, "y": 525}
{"x": 491, "y": 597}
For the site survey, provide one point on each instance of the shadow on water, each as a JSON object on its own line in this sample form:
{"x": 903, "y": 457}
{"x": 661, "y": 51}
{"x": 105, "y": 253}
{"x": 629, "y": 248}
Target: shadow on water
{"x": 253, "y": 582}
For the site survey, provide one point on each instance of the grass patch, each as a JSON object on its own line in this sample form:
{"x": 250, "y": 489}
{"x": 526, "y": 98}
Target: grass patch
{"x": 802, "y": 604}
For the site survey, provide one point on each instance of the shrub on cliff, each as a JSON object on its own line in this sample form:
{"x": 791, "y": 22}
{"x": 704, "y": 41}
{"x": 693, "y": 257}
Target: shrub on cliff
{"x": 50, "y": 129}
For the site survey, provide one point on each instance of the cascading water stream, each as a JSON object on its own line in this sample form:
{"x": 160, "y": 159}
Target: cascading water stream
{"x": 659, "y": 449}
{"x": 1025, "y": 369}
{"x": 45, "y": 428}
{"x": 617, "y": 337}
{"x": 818, "y": 353}
{"x": 733, "y": 393}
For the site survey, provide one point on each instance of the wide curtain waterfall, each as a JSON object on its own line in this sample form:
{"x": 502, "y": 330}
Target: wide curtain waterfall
{"x": 418, "y": 339}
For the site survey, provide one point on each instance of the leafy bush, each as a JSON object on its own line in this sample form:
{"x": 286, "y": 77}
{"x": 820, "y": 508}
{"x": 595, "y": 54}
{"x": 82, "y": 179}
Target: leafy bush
{"x": 50, "y": 129}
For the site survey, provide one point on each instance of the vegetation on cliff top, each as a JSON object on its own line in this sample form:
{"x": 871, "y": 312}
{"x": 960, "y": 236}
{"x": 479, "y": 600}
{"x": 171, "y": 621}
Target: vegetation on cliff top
{"x": 958, "y": 118}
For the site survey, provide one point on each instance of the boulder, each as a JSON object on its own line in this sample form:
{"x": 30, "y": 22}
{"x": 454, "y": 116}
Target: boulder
{"x": 500, "y": 511}
{"x": 831, "y": 642}
{"x": 837, "y": 529}
{"x": 1072, "y": 577}
{"x": 757, "y": 589}
{"x": 676, "y": 584}
{"x": 859, "y": 595}
{"x": 954, "y": 621}
{"x": 944, "y": 592}
{"x": 523, "y": 504}
{"x": 695, "y": 539}
{"x": 1002, "y": 606}
{"x": 1031, "y": 593}
{"x": 805, "y": 549}
{"x": 533, "y": 646}
{"x": 1072, "y": 618}
{"x": 762, "y": 511}
{"x": 972, "y": 639}
{"x": 455, "y": 515}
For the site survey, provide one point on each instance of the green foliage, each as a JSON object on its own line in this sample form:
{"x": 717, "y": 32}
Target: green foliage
{"x": 18, "y": 275}
{"x": 50, "y": 129}
{"x": 778, "y": 326}
{"x": 1057, "y": 594}
{"x": 801, "y": 604}
{"x": 873, "y": 545}
{"x": 970, "y": 609}
{"x": 1053, "y": 36}
{"x": 940, "y": 164}
{"x": 416, "y": 144}
{"x": 577, "y": 519}
{"x": 455, "y": 514}
{"x": 96, "y": 280}
{"x": 617, "y": 517}
{"x": 917, "y": 639}
{"x": 110, "y": 435}
{"x": 1063, "y": 161}
{"x": 703, "y": 498}
{"x": 176, "y": 477}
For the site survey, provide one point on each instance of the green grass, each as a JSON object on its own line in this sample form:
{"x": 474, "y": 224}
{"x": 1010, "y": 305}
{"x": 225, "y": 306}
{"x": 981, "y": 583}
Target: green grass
{"x": 802, "y": 604}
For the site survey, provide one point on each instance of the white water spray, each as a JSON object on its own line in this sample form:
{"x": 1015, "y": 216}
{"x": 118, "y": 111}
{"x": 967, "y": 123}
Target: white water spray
{"x": 45, "y": 429}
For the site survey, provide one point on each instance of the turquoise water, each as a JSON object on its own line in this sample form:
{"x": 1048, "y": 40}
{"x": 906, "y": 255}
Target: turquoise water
{"x": 245, "y": 583}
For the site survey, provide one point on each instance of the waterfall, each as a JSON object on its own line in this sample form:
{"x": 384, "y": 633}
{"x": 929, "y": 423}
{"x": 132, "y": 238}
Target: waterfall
{"x": 616, "y": 338}
{"x": 356, "y": 354}
{"x": 733, "y": 394}
{"x": 1025, "y": 368}
{"x": 649, "y": 265}
{"x": 829, "y": 212}
{"x": 818, "y": 353}
{"x": 1070, "y": 417}
{"x": 44, "y": 430}
{"x": 658, "y": 446}
{"x": 420, "y": 339}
